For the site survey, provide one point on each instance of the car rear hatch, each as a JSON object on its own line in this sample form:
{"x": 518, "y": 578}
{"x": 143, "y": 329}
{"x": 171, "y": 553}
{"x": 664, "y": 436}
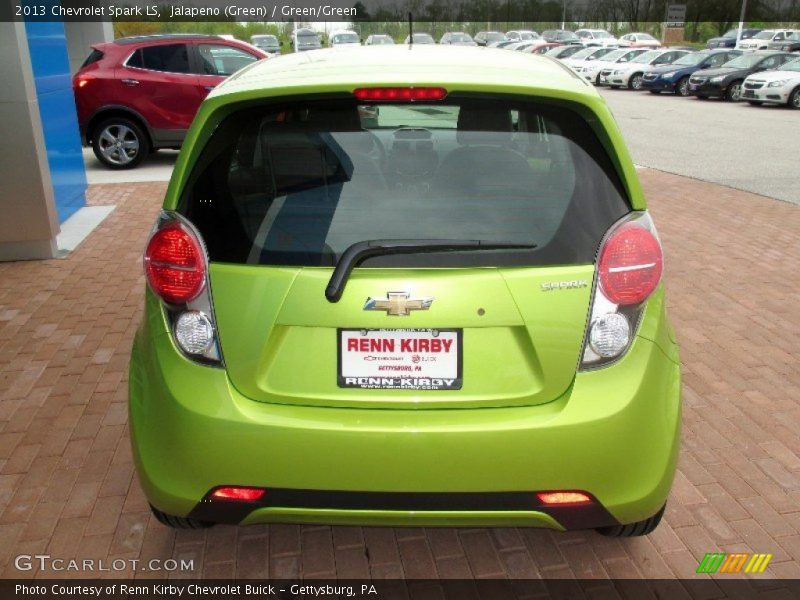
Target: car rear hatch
{"x": 283, "y": 190}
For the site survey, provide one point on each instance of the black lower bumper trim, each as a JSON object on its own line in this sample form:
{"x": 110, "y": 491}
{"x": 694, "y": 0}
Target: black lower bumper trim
{"x": 570, "y": 516}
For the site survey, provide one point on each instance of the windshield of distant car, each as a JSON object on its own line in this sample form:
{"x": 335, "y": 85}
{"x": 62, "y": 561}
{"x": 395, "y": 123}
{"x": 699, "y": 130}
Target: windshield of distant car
{"x": 307, "y": 38}
{"x": 793, "y": 37}
{"x": 494, "y": 36}
{"x": 266, "y": 40}
{"x": 602, "y": 34}
{"x": 731, "y": 34}
{"x": 297, "y": 183}
{"x": 647, "y": 57}
{"x": 381, "y": 39}
{"x": 529, "y": 35}
{"x": 616, "y": 54}
{"x": 646, "y": 37}
{"x": 764, "y": 35}
{"x": 423, "y": 38}
{"x": 791, "y": 66}
{"x": 583, "y": 53}
{"x": 690, "y": 59}
{"x": 460, "y": 37}
{"x": 345, "y": 38}
{"x": 745, "y": 61}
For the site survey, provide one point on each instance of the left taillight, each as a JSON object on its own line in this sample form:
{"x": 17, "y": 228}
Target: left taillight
{"x": 176, "y": 268}
{"x": 174, "y": 264}
{"x": 629, "y": 267}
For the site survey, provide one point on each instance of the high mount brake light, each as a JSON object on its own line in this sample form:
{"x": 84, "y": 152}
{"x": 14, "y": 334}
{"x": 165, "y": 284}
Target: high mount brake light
{"x": 630, "y": 265}
{"x": 400, "y": 94}
{"x": 175, "y": 264}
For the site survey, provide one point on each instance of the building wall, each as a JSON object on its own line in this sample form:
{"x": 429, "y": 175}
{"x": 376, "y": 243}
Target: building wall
{"x": 47, "y": 45}
{"x": 28, "y": 221}
{"x": 80, "y": 36}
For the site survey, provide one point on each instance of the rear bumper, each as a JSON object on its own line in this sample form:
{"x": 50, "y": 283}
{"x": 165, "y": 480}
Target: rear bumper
{"x": 614, "y": 434}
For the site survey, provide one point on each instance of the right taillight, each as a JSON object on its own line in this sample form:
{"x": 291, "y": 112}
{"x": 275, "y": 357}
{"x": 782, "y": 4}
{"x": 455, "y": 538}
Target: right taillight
{"x": 176, "y": 268}
{"x": 629, "y": 266}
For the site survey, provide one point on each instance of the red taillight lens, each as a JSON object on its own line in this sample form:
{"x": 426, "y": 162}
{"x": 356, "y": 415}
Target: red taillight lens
{"x": 630, "y": 265}
{"x": 563, "y": 498}
{"x": 400, "y": 94}
{"x": 174, "y": 264}
{"x": 244, "y": 494}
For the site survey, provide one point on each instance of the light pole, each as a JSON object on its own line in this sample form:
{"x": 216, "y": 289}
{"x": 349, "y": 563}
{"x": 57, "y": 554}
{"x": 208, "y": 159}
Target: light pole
{"x": 741, "y": 22}
{"x": 563, "y": 13}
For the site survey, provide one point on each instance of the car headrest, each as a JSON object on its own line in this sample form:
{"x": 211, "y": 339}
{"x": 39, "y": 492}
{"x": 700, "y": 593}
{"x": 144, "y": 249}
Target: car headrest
{"x": 483, "y": 125}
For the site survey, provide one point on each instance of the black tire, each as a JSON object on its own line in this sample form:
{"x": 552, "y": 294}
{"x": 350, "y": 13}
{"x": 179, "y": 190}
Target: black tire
{"x": 179, "y": 522}
{"x": 635, "y": 82}
{"x": 614, "y": 87}
{"x": 702, "y": 97}
{"x": 655, "y": 91}
{"x": 754, "y": 102}
{"x": 682, "y": 87}
{"x": 734, "y": 92}
{"x": 794, "y": 98}
{"x": 133, "y": 144}
{"x": 633, "y": 529}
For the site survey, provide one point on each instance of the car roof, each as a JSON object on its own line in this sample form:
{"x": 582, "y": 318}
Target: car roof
{"x": 158, "y": 37}
{"x": 454, "y": 67}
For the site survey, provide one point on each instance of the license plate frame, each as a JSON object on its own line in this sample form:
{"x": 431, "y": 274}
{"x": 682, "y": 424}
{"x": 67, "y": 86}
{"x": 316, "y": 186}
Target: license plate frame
{"x": 408, "y": 372}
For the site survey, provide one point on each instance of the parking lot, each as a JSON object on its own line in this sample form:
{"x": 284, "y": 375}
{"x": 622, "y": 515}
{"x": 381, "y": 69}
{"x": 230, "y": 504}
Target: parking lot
{"x": 733, "y": 144}
{"x": 67, "y": 482}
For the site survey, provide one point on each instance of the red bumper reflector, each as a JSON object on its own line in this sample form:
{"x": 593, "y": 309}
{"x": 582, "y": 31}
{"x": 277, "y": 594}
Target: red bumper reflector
{"x": 245, "y": 494}
{"x": 399, "y": 94}
{"x": 563, "y": 498}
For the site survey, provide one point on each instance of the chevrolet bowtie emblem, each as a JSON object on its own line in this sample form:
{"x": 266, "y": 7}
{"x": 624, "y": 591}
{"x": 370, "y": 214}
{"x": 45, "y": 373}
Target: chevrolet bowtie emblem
{"x": 398, "y": 304}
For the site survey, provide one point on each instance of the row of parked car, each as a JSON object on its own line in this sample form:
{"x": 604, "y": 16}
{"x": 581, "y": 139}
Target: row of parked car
{"x": 758, "y": 77}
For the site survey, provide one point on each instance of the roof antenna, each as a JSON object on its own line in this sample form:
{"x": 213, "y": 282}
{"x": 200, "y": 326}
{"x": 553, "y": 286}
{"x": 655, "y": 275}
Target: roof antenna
{"x": 410, "y": 29}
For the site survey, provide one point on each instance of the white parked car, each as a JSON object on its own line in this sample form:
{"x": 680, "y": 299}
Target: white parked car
{"x": 631, "y": 73}
{"x": 596, "y": 37}
{"x": 638, "y": 40}
{"x": 591, "y": 71}
{"x": 781, "y": 86}
{"x": 763, "y": 39}
{"x": 585, "y": 55}
{"x": 342, "y": 38}
{"x": 522, "y": 35}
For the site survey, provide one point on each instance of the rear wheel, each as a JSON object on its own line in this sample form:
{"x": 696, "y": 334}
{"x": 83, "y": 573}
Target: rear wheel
{"x": 655, "y": 91}
{"x": 178, "y": 522}
{"x": 683, "y": 87}
{"x": 633, "y": 529}
{"x": 754, "y": 102}
{"x": 635, "y": 82}
{"x": 734, "y": 93}
{"x": 119, "y": 143}
{"x": 794, "y": 98}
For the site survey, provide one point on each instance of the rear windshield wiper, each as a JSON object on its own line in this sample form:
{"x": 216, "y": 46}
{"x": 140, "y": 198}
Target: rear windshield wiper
{"x": 361, "y": 251}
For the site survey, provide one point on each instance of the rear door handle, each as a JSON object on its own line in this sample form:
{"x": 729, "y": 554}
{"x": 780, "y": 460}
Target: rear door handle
{"x": 130, "y": 82}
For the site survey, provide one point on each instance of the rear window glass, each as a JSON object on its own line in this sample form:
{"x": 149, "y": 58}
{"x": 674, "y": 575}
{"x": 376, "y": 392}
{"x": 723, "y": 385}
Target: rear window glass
{"x": 94, "y": 56}
{"x": 298, "y": 184}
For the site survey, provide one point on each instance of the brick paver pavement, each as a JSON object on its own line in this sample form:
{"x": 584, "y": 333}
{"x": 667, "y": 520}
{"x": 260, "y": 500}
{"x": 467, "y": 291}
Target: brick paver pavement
{"x": 67, "y": 486}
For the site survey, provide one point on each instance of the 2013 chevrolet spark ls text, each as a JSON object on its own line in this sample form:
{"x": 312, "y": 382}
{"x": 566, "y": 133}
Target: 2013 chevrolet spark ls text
{"x": 410, "y": 286}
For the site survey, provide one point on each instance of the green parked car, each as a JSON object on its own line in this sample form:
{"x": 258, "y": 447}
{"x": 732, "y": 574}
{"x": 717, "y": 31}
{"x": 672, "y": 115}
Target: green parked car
{"x": 405, "y": 286}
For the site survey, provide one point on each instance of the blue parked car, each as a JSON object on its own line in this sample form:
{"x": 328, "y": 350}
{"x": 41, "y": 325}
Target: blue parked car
{"x": 675, "y": 77}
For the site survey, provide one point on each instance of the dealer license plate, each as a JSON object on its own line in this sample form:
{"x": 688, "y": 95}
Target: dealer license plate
{"x": 749, "y": 94}
{"x": 400, "y": 359}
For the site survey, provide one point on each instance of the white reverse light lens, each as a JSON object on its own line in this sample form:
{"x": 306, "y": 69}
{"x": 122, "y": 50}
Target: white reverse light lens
{"x": 610, "y": 335}
{"x": 194, "y": 332}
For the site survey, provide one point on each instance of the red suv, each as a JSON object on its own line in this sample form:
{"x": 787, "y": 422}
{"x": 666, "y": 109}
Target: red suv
{"x": 136, "y": 95}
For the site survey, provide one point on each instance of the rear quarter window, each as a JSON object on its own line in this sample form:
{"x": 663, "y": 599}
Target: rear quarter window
{"x": 297, "y": 183}
{"x": 94, "y": 56}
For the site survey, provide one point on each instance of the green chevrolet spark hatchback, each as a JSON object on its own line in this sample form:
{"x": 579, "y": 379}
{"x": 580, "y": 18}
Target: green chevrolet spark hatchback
{"x": 405, "y": 286}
